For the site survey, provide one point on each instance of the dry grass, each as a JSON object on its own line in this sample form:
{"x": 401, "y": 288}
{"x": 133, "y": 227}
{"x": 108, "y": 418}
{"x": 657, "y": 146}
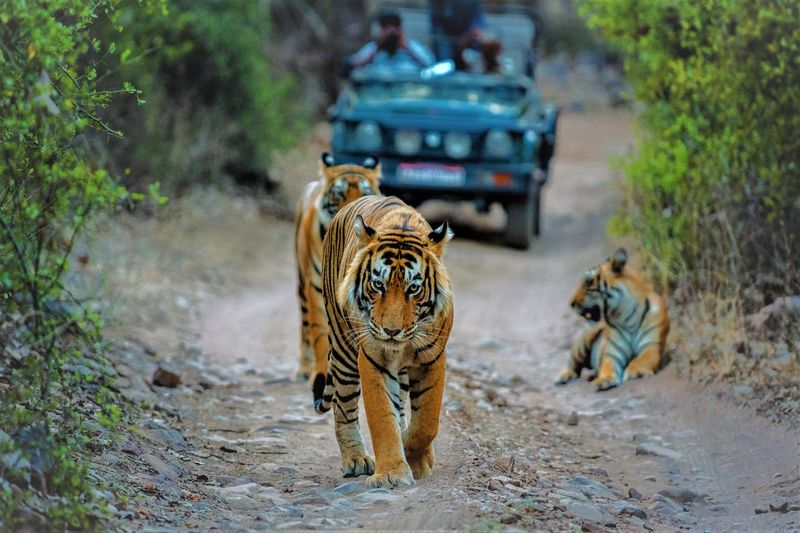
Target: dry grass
{"x": 713, "y": 340}
{"x": 710, "y": 331}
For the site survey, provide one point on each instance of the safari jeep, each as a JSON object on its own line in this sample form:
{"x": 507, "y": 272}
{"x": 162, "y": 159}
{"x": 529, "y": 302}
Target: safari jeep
{"x": 443, "y": 134}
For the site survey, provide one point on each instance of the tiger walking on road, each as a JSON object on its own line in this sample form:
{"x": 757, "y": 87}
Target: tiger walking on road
{"x": 390, "y": 311}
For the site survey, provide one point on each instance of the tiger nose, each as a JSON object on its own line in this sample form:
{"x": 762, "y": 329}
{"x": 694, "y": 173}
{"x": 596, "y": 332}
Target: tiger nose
{"x": 574, "y": 303}
{"x": 391, "y": 332}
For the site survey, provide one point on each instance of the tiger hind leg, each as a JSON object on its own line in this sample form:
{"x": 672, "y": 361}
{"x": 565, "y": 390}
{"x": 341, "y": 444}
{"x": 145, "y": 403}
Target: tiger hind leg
{"x": 319, "y": 360}
{"x": 306, "y": 365}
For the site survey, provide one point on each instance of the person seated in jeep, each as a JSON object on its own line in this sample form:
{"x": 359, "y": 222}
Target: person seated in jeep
{"x": 391, "y": 48}
{"x": 459, "y": 26}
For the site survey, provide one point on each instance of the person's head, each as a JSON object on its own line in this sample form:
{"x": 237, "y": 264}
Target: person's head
{"x": 389, "y": 19}
{"x": 391, "y": 32}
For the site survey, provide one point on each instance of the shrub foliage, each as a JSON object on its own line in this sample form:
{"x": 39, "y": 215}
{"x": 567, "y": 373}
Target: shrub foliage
{"x": 195, "y": 95}
{"x": 210, "y": 105}
{"x": 715, "y": 182}
{"x": 50, "y": 186}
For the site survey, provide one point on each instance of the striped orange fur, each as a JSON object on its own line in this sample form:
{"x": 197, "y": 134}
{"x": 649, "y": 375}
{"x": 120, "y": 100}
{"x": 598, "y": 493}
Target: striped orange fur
{"x": 338, "y": 185}
{"x": 390, "y": 312}
{"x": 628, "y": 325}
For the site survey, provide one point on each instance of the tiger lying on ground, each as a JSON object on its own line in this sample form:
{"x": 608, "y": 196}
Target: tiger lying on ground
{"x": 390, "y": 311}
{"x": 629, "y": 325}
{"x": 338, "y": 185}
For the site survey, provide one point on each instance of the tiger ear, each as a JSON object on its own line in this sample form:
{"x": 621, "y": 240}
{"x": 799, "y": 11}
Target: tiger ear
{"x": 371, "y": 162}
{"x": 618, "y": 260}
{"x": 440, "y": 236}
{"x": 363, "y": 232}
{"x": 328, "y": 160}
{"x": 378, "y": 173}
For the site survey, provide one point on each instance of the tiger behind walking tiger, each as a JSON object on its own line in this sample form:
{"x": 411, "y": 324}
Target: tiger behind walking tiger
{"x": 338, "y": 185}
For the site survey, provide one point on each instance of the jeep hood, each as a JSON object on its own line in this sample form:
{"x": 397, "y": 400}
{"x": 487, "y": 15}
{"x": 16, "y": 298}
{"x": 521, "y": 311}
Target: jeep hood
{"x": 442, "y": 108}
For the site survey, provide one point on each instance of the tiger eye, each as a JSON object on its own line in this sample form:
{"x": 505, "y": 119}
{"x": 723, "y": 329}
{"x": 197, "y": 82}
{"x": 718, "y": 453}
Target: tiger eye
{"x": 377, "y": 285}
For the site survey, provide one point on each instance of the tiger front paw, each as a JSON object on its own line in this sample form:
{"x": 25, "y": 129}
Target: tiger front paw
{"x": 566, "y": 376}
{"x": 422, "y": 464}
{"x": 399, "y": 475}
{"x": 358, "y": 465}
{"x": 605, "y": 383}
{"x": 633, "y": 372}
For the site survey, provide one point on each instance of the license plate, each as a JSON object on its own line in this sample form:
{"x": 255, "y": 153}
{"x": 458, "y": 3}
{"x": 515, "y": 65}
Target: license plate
{"x": 431, "y": 174}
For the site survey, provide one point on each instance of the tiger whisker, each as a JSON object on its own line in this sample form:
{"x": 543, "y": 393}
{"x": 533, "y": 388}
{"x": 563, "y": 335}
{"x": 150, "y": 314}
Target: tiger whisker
{"x": 356, "y": 333}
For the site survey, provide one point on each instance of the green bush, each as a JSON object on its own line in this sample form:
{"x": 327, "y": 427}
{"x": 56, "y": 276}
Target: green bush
{"x": 50, "y": 187}
{"x": 211, "y": 105}
{"x": 715, "y": 182}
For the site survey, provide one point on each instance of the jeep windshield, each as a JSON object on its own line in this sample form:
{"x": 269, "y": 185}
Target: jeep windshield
{"x": 499, "y": 96}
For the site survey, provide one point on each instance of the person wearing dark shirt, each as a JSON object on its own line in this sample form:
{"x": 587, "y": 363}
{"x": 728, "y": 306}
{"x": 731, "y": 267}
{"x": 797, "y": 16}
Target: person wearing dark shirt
{"x": 460, "y": 24}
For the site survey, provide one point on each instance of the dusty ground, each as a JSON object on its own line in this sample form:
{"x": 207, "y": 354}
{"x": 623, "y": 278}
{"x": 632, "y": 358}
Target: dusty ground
{"x": 210, "y": 294}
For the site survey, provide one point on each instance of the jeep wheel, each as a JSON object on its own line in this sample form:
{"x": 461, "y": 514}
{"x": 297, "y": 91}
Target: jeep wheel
{"x": 519, "y": 230}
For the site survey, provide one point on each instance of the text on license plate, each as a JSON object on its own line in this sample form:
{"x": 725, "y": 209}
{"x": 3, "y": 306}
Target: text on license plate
{"x": 431, "y": 174}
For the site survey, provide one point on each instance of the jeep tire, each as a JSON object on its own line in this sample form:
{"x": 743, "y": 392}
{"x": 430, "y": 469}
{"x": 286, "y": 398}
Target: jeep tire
{"x": 520, "y": 227}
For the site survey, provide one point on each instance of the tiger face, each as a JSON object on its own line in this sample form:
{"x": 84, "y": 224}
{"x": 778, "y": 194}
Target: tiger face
{"x": 345, "y": 183}
{"x": 601, "y": 294}
{"x": 395, "y": 285}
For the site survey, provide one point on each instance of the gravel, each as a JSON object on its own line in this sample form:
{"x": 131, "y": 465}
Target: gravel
{"x": 648, "y": 448}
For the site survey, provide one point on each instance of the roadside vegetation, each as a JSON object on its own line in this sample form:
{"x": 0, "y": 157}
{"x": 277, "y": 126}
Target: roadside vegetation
{"x": 117, "y": 105}
{"x": 713, "y": 186}
{"x": 54, "y": 393}
{"x": 210, "y": 107}
{"x": 103, "y": 106}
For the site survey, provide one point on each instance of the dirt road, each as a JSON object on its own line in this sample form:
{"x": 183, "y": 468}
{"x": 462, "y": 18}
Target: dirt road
{"x": 238, "y": 446}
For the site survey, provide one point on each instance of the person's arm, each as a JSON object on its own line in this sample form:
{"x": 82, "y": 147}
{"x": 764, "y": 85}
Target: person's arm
{"x": 420, "y": 53}
{"x": 365, "y": 56}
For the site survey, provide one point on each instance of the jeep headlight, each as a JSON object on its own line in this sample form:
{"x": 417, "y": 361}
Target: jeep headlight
{"x": 457, "y": 145}
{"x": 499, "y": 144}
{"x": 368, "y": 136}
{"x": 407, "y": 142}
